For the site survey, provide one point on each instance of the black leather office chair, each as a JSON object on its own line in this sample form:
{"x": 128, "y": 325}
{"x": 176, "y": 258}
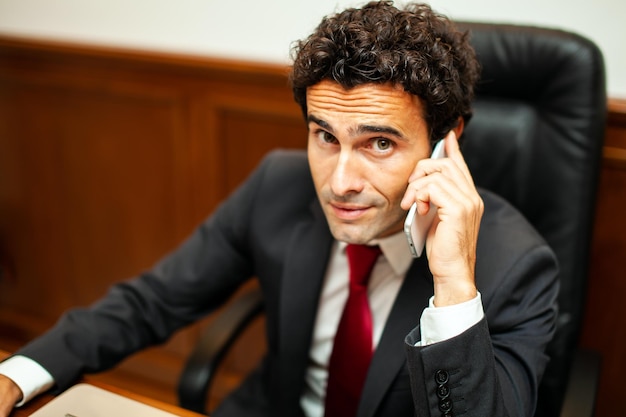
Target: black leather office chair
{"x": 536, "y": 139}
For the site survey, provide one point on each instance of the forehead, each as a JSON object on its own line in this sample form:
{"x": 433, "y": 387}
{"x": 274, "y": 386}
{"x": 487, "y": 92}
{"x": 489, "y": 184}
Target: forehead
{"x": 366, "y": 101}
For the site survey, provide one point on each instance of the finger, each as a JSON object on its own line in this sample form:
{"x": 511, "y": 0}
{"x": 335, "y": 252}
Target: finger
{"x": 453, "y": 151}
{"x": 451, "y": 144}
{"x": 427, "y": 166}
{"x": 429, "y": 189}
{"x": 431, "y": 170}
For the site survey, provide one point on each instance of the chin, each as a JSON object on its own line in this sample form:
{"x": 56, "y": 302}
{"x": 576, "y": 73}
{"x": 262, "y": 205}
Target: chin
{"x": 349, "y": 234}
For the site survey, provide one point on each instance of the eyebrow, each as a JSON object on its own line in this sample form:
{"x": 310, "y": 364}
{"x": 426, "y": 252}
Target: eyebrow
{"x": 379, "y": 129}
{"x": 360, "y": 129}
{"x": 312, "y": 119}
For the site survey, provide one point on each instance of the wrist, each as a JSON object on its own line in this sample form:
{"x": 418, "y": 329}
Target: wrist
{"x": 453, "y": 293}
{"x": 10, "y": 393}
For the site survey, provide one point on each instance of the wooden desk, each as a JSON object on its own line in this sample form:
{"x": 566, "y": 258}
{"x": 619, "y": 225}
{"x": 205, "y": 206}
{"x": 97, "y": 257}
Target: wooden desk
{"x": 38, "y": 402}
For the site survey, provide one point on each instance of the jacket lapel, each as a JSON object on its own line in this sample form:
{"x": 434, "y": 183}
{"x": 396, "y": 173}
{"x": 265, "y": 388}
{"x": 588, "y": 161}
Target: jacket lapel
{"x": 389, "y": 357}
{"x": 307, "y": 258}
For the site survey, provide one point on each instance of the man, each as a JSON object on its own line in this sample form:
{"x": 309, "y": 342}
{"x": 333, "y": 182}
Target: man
{"x": 459, "y": 331}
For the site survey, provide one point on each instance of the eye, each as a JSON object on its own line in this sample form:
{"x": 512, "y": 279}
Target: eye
{"x": 382, "y": 144}
{"x": 326, "y": 137}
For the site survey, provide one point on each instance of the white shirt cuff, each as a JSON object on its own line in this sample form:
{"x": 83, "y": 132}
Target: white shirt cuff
{"x": 442, "y": 323}
{"x": 29, "y": 376}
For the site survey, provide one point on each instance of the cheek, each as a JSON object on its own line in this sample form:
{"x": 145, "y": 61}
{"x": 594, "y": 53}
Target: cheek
{"x": 392, "y": 184}
{"x": 394, "y": 193}
{"x": 319, "y": 171}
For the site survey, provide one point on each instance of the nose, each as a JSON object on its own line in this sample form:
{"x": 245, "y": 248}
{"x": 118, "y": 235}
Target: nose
{"x": 346, "y": 177}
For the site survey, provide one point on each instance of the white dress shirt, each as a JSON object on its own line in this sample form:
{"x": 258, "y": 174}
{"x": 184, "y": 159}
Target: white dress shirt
{"x": 436, "y": 324}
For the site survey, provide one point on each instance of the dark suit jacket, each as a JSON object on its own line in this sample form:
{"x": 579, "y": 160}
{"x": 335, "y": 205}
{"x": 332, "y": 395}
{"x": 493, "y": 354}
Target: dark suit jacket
{"x": 273, "y": 228}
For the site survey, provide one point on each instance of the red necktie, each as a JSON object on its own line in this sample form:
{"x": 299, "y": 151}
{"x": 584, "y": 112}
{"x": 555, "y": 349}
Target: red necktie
{"x": 352, "y": 350}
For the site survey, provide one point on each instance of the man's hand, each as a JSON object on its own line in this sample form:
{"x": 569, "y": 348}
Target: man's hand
{"x": 10, "y": 394}
{"x": 451, "y": 240}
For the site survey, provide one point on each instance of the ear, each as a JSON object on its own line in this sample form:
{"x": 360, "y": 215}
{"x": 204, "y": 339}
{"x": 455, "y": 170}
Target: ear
{"x": 458, "y": 129}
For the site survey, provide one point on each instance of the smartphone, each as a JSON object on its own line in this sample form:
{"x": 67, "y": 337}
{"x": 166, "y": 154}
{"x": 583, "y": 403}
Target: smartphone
{"x": 416, "y": 226}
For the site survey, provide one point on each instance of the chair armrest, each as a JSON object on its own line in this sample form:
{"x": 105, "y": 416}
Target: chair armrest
{"x": 580, "y": 397}
{"x": 213, "y": 345}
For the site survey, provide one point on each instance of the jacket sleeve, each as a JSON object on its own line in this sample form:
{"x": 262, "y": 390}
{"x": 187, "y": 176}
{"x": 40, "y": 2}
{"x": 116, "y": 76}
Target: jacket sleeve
{"x": 187, "y": 284}
{"x": 493, "y": 368}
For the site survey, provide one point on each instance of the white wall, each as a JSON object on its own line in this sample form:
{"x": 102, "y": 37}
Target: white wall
{"x": 263, "y": 30}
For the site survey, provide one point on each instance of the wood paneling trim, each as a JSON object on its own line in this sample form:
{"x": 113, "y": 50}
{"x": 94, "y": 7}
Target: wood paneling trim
{"x": 616, "y": 124}
{"x": 21, "y": 52}
{"x": 614, "y": 157}
{"x": 617, "y": 110}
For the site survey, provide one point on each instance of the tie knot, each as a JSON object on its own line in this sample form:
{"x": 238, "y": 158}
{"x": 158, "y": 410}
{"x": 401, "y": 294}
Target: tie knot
{"x": 361, "y": 259}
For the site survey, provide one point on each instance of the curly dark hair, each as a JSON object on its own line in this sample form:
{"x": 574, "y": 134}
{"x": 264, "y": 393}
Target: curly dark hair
{"x": 378, "y": 43}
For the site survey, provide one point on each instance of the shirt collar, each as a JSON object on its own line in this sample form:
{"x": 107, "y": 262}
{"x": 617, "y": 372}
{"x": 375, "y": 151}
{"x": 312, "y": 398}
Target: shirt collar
{"x": 396, "y": 251}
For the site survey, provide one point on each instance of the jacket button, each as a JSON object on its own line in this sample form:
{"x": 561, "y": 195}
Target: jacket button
{"x": 448, "y": 414}
{"x": 443, "y": 391}
{"x": 445, "y": 405}
{"x": 441, "y": 377}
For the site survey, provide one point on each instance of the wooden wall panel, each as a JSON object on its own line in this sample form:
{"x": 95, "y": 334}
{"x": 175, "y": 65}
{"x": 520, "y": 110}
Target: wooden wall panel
{"x": 246, "y": 129}
{"x": 606, "y": 307}
{"x": 79, "y": 187}
{"x": 109, "y": 158}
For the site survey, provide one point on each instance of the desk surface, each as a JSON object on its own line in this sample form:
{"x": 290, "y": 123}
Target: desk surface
{"x": 38, "y": 402}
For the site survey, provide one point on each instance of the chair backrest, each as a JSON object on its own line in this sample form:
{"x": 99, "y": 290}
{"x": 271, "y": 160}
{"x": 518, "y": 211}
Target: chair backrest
{"x": 536, "y": 139}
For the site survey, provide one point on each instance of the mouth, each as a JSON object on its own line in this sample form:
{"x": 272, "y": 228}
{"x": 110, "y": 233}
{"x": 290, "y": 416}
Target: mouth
{"x": 348, "y": 212}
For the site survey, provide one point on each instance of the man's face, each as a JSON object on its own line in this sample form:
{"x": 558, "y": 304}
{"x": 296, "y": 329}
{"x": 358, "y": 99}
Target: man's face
{"x": 363, "y": 145}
